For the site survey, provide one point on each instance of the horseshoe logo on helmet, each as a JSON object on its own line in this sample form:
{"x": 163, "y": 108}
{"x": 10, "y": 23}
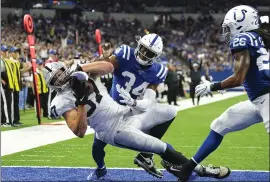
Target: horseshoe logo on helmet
{"x": 243, "y": 13}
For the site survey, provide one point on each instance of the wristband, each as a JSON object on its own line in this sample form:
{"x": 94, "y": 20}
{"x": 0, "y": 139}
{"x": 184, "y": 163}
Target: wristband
{"x": 216, "y": 86}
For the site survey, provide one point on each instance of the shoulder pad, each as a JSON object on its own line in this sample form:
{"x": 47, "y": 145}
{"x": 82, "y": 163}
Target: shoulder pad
{"x": 161, "y": 72}
{"x": 123, "y": 52}
{"x": 243, "y": 41}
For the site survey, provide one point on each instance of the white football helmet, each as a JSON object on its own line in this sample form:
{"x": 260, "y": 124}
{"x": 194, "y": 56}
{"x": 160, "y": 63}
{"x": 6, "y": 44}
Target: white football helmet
{"x": 149, "y": 48}
{"x": 56, "y": 75}
{"x": 239, "y": 19}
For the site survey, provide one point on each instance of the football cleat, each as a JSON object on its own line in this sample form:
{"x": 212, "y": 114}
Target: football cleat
{"x": 182, "y": 172}
{"x": 148, "y": 165}
{"x": 98, "y": 174}
{"x": 171, "y": 168}
{"x": 215, "y": 172}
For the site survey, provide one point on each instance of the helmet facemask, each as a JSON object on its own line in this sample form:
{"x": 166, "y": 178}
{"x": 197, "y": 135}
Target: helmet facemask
{"x": 59, "y": 79}
{"x": 144, "y": 55}
{"x": 226, "y": 33}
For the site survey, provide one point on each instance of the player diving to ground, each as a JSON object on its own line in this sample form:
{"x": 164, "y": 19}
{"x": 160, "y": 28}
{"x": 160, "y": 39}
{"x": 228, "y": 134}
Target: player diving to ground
{"x": 83, "y": 101}
{"x": 249, "y": 44}
{"x": 135, "y": 80}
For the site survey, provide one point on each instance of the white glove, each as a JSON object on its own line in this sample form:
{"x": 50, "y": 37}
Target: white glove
{"x": 203, "y": 89}
{"x": 127, "y": 99}
{"x": 80, "y": 75}
{"x": 221, "y": 91}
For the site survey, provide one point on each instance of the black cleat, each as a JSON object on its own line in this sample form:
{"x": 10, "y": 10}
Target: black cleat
{"x": 171, "y": 168}
{"x": 98, "y": 174}
{"x": 214, "y": 172}
{"x": 148, "y": 165}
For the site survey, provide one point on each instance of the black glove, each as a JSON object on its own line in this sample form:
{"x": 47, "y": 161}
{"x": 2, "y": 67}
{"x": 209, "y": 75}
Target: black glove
{"x": 81, "y": 101}
{"x": 81, "y": 89}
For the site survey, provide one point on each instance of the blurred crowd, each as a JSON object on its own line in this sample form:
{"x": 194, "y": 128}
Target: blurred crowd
{"x": 75, "y": 36}
{"x": 139, "y": 6}
{"x": 70, "y": 39}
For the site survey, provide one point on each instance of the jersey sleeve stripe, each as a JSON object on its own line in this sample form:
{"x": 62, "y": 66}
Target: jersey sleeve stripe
{"x": 164, "y": 73}
{"x": 128, "y": 53}
{"x": 254, "y": 38}
{"x": 251, "y": 39}
{"x": 124, "y": 55}
{"x": 160, "y": 71}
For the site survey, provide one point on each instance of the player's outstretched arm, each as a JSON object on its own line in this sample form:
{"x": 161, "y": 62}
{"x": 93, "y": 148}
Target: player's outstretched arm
{"x": 112, "y": 59}
{"x": 97, "y": 69}
{"x": 76, "y": 120}
{"x": 241, "y": 66}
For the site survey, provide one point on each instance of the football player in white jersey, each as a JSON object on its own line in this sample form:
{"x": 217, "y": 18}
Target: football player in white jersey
{"x": 250, "y": 45}
{"x": 83, "y": 101}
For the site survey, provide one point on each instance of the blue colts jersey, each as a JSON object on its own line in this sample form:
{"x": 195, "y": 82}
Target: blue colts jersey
{"x": 132, "y": 76}
{"x": 256, "y": 80}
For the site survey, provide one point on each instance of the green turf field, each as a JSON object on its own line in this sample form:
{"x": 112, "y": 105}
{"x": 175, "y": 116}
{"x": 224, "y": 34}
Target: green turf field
{"x": 28, "y": 118}
{"x": 248, "y": 149}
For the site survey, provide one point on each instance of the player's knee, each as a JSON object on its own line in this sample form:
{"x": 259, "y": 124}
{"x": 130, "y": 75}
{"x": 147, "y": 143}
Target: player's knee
{"x": 125, "y": 138}
{"x": 219, "y": 126}
{"x": 170, "y": 113}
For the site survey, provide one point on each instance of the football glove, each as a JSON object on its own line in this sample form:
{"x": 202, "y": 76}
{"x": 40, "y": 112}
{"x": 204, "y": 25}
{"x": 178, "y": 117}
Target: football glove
{"x": 127, "y": 99}
{"x": 82, "y": 100}
{"x": 203, "y": 89}
{"x": 80, "y": 85}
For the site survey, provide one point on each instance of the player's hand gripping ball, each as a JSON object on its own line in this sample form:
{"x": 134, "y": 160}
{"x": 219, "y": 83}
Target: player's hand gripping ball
{"x": 80, "y": 85}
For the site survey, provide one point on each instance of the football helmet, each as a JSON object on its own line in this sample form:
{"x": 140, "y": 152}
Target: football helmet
{"x": 239, "y": 19}
{"x": 56, "y": 75}
{"x": 149, "y": 48}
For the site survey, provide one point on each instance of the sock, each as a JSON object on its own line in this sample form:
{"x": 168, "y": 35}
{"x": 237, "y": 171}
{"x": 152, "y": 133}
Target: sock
{"x": 98, "y": 152}
{"x": 173, "y": 156}
{"x": 158, "y": 131}
{"x": 210, "y": 144}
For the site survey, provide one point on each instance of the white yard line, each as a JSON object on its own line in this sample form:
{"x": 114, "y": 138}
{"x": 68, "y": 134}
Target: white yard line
{"x": 31, "y": 137}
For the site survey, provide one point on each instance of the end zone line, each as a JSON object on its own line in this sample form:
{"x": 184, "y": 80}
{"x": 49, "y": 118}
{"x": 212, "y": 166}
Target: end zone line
{"x": 139, "y": 169}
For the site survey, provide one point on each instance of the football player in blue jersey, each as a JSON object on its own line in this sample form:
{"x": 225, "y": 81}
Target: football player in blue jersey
{"x": 135, "y": 79}
{"x": 249, "y": 44}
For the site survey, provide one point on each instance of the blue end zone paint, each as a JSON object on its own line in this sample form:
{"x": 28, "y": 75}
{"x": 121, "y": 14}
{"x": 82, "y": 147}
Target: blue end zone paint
{"x": 80, "y": 174}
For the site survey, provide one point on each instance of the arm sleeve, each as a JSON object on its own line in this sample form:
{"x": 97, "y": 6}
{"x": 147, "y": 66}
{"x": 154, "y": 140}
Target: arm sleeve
{"x": 62, "y": 104}
{"x": 161, "y": 74}
{"x": 144, "y": 104}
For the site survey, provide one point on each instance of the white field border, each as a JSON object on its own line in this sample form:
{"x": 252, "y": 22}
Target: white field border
{"x": 137, "y": 169}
